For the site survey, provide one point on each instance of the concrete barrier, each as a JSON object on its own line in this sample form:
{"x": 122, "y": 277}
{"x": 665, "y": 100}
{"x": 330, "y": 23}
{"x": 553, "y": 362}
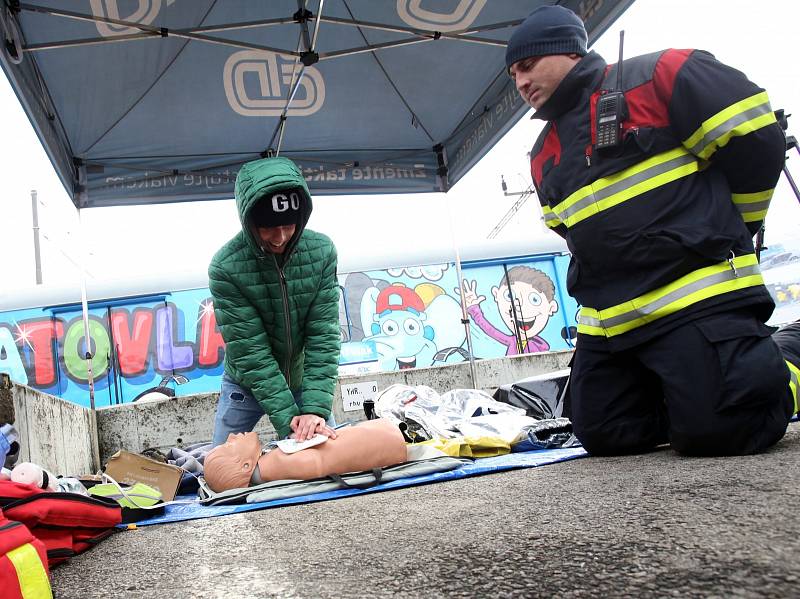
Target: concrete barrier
{"x": 160, "y": 424}
{"x": 56, "y": 434}
{"x": 182, "y": 421}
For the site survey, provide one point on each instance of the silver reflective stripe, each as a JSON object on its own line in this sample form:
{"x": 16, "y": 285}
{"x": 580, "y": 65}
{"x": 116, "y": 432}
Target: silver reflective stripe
{"x": 747, "y": 207}
{"x": 730, "y": 125}
{"x": 635, "y": 179}
{"x": 684, "y": 291}
{"x": 589, "y": 321}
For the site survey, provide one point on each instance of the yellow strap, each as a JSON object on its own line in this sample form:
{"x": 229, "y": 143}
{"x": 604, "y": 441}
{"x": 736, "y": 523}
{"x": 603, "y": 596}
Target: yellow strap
{"x": 550, "y": 218}
{"x": 753, "y": 206}
{"x": 33, "y": 581}
{"x": 689, "y": 289}
{"x": 607, "y": 192}
{"x": 794, "y": 381}
{"x": 738, "y": 119}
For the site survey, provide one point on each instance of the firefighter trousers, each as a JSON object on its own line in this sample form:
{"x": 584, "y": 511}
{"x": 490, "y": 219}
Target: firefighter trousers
{"x": 718, "y": 385}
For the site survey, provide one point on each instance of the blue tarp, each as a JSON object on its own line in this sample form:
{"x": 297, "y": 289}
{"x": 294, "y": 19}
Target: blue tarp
{"x": 530, "y": 459}
{"x": 146, "y": 101}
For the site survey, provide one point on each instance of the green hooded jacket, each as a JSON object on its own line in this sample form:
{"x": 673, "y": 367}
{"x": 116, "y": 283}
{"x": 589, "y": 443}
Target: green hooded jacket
{"x": 278, "y": 314}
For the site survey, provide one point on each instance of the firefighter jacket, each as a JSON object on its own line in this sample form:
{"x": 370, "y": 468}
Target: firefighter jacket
{"x": 660, "y": 228}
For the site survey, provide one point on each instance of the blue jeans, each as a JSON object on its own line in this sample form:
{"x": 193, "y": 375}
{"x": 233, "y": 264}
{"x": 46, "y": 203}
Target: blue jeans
{"x": 239, "y": 412}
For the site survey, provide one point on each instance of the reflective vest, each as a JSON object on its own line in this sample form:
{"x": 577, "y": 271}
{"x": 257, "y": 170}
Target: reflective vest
{"x": 660, "y": 229}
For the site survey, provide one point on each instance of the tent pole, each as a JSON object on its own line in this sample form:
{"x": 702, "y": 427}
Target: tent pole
{"x": 36, "y": 249}
{"x": 310, "y": 51}
{"x": 85, "y": 310}
{"x": 464, "y": 316}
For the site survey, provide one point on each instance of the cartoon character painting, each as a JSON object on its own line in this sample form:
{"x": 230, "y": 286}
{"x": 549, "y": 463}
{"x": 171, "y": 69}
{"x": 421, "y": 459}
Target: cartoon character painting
{"x": 402, "y": 338}
{"x": 525, "y": 299}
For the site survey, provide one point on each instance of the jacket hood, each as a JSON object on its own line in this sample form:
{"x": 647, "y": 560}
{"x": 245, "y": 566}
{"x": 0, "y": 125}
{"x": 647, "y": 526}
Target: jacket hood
{"x": 261, "y": 178}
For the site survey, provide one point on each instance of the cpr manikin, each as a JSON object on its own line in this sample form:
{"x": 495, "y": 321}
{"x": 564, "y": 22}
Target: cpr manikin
{"x": 240, "y": 463}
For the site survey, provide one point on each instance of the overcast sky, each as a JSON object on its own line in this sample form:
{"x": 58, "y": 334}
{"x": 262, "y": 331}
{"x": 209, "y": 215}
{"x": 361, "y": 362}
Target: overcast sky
{"x": 759, "y": 38}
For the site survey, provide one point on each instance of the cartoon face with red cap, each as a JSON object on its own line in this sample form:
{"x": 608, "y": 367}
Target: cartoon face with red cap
{"x": 398, "y": 330}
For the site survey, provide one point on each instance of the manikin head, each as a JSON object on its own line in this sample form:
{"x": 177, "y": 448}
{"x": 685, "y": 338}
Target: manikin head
{"x": 231, "y": 465}
{"x": 542, "y": 50}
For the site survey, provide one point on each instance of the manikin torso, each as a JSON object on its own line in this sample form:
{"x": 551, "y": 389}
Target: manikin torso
{"x": 367, "y": 445}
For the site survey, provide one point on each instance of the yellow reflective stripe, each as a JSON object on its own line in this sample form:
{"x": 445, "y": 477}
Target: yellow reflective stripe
{"x": 753, "y": 206}
{"x": 738, "y": 119}
{"x": 688, "y": 290}
{"x": 633, "y": 181}
{"x": 552, "y": 223}
{"x": 550, "y": 218}
{"x": 31, "y": 574}
{"x": 794, "y": 382}
{"x": 724, "y": 115}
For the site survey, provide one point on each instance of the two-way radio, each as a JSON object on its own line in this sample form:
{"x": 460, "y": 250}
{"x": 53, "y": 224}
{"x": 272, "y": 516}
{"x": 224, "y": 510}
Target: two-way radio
{"x": 611, "y": 111}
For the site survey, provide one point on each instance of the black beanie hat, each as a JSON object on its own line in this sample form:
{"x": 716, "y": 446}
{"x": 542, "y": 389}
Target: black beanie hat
{"x": 547, "y": 30}
{"x": 278, "y": 208}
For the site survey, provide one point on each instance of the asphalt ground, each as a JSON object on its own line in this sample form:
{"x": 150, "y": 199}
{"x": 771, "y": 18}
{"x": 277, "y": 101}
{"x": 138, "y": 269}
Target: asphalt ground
{"x": 654, "y": 525}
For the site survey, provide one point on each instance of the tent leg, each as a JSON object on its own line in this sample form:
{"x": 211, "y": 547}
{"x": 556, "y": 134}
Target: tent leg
{"x": 464, "y": 316}
{"x": 93, "y": 432}
{"x": 85, "y": 310}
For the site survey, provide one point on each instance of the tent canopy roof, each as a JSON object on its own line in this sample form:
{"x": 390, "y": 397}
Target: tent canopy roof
{"x": 147, "y": 101}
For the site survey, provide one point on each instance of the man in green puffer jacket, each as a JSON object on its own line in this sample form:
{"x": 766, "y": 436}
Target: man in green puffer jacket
{"x": 277, "y": 305}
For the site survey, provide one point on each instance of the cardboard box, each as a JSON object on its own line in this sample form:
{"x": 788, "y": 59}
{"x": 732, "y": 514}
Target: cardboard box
{"x": 130, "y": 468}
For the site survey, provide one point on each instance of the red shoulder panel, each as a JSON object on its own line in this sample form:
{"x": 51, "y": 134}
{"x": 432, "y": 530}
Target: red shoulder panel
{"x": 648, "y": 104}
{"x": 551, "y": 148}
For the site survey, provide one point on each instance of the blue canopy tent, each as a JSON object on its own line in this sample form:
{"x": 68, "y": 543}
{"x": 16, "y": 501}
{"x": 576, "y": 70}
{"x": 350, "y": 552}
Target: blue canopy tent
{"x": 146, "y": 101}
{"x": 150, "y": 101}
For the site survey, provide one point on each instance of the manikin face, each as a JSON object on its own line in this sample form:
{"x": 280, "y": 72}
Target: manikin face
{"x": 275, "y": 239}
{"x": 537, "y": 77}
{"x": 533, "y": 309}
{"x": 243, "y": 444}
{"x": 230, "y": 465}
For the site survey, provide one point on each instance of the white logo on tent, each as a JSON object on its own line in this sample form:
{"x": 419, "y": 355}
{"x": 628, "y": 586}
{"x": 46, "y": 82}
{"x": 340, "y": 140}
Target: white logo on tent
{"x": 108, "y": 9}
{"x": 463, "y": 16}
{"x": 274, "y": 79}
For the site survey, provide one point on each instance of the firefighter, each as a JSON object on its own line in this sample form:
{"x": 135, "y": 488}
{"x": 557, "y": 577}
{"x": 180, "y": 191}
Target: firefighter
{"x": 672, "y": 341}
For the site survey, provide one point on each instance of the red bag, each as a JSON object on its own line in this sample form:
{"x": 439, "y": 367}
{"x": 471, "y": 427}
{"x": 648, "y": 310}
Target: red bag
{"x": 67, "y": 523}
{"x": 23, "y": 562}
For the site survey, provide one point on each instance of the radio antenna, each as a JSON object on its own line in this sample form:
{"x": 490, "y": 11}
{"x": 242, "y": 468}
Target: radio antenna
{"x": 619, "y": 64}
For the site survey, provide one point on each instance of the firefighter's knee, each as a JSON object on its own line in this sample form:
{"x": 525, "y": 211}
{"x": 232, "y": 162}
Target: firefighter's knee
{"x": 621, "y": 438}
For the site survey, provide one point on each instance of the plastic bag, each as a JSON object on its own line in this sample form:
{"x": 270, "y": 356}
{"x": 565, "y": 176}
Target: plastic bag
{"x": 546, "y": 434}
{"x": 542, "y": 397}
{"x": 423, "y": 414}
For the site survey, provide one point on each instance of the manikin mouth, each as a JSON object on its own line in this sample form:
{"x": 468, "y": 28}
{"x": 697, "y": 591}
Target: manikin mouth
{"x": 404, "y": 363}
